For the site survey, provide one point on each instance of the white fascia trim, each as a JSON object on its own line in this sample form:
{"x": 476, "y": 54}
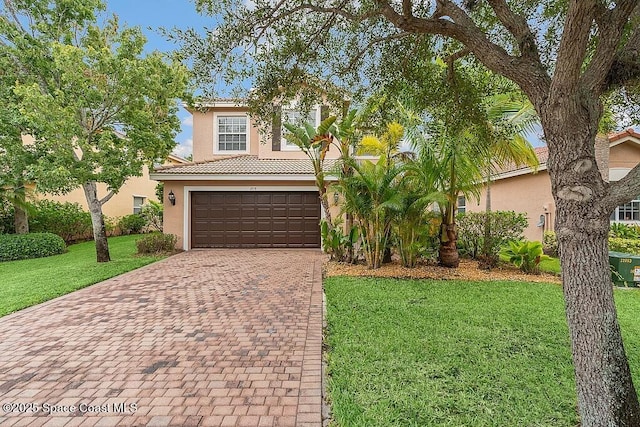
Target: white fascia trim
{"x": 211, "y": 177}
{"x": 525, "y": 171}
{"x": 213, "y": 104}
{"x": 186, "y": 215}
{"x": 622, "y": 140}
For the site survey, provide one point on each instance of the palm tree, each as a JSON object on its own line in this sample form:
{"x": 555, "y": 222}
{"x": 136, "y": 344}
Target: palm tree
{"x": 371, "y": 195}
{"x": 315, "y": 143}
{"x": 371, "y": 192}
{"x": 508, "y": 121}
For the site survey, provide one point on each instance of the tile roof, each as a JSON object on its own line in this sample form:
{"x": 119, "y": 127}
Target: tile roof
{"x": 623, "y": 134}
{"x": 245, "y": 165}
{"x": 541, "y": 152}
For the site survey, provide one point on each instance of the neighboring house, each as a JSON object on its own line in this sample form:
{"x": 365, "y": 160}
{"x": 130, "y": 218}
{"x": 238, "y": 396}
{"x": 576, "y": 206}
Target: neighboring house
{"x": 135, "y": 192}
{"x": 244, "y": 188}
{"x": 521, "y": 190}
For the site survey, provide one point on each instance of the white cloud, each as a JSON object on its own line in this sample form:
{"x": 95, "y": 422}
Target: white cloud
{"x": 184, "y": 149}
{"x": 188, "y": 121}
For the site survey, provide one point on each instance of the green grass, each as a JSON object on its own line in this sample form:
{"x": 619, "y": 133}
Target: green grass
{"x": 453, "y": 353}
{"x": 29, "y": 282}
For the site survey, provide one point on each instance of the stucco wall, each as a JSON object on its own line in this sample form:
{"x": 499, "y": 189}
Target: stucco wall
{"x": 529, "y": 194}
{"x": 625, "y": 155}
{"x": 204, "y": 136}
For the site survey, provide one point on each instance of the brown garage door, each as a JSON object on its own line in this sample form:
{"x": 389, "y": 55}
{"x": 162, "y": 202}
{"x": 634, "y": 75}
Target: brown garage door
{"x": 256, "y": 219}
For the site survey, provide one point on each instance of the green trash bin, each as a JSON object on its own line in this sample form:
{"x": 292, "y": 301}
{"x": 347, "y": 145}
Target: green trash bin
{"x": 625, "y": 269}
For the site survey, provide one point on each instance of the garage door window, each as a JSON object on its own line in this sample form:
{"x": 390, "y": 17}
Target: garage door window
{"x": 232, "y": 134}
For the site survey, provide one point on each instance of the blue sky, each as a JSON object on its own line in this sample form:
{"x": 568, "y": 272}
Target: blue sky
{"x": 150, "y": 15}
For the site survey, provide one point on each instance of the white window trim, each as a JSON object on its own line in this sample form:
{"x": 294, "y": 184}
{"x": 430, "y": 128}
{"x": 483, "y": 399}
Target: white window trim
{"x": 144, "y": 200}
{"x": 216, "y": 135}
{"x": 285, "y": 145}
{"x": 186, "y": 215}
{"x": 616, "y": 213}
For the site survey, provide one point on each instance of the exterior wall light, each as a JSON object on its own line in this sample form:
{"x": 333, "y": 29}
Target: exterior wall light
{"x": 172, "y": 198}
{"x": 336, "y": 198}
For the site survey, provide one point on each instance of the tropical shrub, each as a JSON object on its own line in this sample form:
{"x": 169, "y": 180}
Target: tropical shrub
{"x": 156, "y": 243}
{"x": 550, "y": 243}
{"x": 335, "y": 242}
{"x": 131, "y": 224}
{"x": 627, "y": 246}
{"x": 152, "y": 213}
{"x": 67, "y": 220}
{"x": 31, "y": 245}
{"x": 525, "y": 255}
{"x": 505, "y": 226}
{"x": 415, "y": 229}
{"x": 371, "y": 195}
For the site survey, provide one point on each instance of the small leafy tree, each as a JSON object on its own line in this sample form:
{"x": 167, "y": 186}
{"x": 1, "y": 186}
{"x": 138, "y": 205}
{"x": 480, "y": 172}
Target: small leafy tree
{"x": 98, "y": 108}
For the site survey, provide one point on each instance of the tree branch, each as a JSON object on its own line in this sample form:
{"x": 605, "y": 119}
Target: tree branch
{"x": 518, "y": 27}
{"x": 604, "y": 70}
{"x": 527, "y": 72}
{"x": 628, "y": 188}
{"x": 106, "y": 198}
{"x": 573, "y": 45}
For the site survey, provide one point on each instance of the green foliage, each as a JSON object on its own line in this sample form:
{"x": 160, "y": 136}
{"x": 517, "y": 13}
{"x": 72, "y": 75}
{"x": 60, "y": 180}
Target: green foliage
{"x": 550, "y": 243}
{"x": 67, "y": 220}
{"x": 157, "y": 243}
{"x": 525, "y": 255}
{"x": 160, "y": 191}
{"x": 131, "y": 224}
{"x": 6, "y": 217}
{"x": 627, "y": 246}
{"x": 506, "y": 226}
{"x": 624, "y": 231}
{"x": 152, "y": 213}
{"x": 335, "y": 242}
{"x": 32, "y": 245}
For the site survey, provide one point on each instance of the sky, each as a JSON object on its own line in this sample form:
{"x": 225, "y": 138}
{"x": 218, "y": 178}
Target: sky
{"x": 150, "y": 15}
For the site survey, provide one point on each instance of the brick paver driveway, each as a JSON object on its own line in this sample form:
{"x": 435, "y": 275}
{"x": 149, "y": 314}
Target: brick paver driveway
{"x": 209, "y": 338}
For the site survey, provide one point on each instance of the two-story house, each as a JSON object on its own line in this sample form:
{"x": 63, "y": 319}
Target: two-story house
{"x": 244, "y": 188}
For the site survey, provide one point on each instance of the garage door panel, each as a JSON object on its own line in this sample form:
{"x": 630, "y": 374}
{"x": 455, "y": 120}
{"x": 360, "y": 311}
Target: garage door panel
{"x": 255, "y": 219}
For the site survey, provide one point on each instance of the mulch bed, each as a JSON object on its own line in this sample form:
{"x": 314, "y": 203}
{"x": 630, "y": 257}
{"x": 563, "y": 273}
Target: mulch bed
{"x": 468, "y": 270}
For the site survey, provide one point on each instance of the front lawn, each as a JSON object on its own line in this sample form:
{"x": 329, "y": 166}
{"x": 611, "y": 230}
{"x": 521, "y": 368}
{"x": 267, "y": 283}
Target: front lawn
{"x": 29, "y": 282}
{"x": 455, "y": 353}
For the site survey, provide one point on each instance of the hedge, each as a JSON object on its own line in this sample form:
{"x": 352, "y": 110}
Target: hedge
{"x": 32, "y": 245}
{"x": 627, "y": 246}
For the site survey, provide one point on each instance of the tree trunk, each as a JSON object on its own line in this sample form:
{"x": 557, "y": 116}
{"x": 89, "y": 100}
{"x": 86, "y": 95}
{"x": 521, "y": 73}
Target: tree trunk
{"x": 97, "y": 220}
{"x": 449, "y": 256}
{"x": 605, "y": 390}
{"x": 20, "y": 216}
{"x": 324, "y": 202}
{"x": 20, "y": 219}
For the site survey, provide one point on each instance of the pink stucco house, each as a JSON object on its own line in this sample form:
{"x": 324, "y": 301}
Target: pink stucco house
{"x": 521, "y": 190}
{"x": 244, "y": 188}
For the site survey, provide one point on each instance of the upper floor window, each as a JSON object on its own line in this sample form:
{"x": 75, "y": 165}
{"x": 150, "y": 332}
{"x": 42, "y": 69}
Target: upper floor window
{"x": 298, "y": 118}
{"x": 627, "y": 212}
{"x": 232, "y": 134}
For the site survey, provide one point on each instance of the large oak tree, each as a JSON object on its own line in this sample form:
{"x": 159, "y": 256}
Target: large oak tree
{"x": 566, "y": 56}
